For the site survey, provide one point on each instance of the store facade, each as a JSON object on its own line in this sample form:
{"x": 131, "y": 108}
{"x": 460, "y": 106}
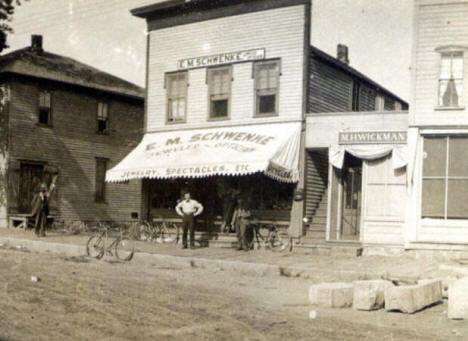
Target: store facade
{"x": 225, "y": 106}
{"x": 439, "y": 127}
{"x": 362, "y": 158}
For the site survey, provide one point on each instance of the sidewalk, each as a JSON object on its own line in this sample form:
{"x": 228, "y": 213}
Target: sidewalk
{"x": 299, "y": 263}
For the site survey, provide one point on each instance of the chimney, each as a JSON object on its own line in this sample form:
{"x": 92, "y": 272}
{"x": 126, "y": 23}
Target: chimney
{"x": 342, "y": 53}
{"x": 36, "y": 43}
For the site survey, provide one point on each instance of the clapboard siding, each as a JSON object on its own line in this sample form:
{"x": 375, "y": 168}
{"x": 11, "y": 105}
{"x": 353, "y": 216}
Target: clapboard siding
{"x": 439, "y": 23}
{"x": 331, "y": 89}
{"x": 279, "y": 31}
{"x": 72, "y": 145}
{"x": 316, "y": 180}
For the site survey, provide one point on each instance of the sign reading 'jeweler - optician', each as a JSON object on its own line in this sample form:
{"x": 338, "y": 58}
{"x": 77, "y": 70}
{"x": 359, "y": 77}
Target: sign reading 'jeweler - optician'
{"x": 366, "y": 137}
{"x": 222, "y": 58}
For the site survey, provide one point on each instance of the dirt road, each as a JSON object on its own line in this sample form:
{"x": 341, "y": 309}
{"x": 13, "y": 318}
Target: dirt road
{"x": 85, "y": 299}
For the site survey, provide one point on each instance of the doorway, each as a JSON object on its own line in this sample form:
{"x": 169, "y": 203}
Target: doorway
{"x": 345, "y": 198}
{"x": 31, "y": 177}
{"x": 351, "y": 199}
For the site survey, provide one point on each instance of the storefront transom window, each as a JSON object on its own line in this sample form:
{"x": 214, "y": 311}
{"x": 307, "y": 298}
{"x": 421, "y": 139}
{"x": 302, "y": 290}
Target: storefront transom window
{"x": 445, "y": 177}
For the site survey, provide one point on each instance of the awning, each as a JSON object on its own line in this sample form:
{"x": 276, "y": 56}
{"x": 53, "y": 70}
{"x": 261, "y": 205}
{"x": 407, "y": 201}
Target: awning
{"x": 369, "y": 152}
{"x": 269, "y": 148}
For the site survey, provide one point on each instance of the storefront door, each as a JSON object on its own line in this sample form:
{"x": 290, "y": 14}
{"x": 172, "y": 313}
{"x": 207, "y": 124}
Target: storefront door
{"x": 351, "y": 204}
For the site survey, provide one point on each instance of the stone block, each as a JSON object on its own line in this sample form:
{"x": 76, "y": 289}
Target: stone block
{"x": 445, "y": 283}
{"x": 458, "y": 299}
{"x": 333, "y": 295}
{"x": 370, "y": 295}
{"x": 412, "y": 298}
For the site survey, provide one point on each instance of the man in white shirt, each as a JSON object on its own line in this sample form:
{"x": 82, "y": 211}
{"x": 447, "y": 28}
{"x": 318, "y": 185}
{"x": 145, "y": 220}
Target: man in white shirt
{"x": 188, "y": 209}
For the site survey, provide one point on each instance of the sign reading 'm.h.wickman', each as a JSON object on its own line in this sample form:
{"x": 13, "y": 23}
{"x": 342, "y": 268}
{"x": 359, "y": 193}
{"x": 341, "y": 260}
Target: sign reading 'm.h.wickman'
{"x": 222, "y": 58}
{"x": 372, "y": 137}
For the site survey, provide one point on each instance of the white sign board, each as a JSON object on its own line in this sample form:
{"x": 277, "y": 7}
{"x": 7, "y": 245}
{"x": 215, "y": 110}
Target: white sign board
{"x": 220, "y": 59}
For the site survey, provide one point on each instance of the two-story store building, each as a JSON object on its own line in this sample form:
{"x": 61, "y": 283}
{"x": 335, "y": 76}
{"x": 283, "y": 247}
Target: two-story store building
{"x": 230, "y": 85}
{"x": 60, "y": 115}
{"x": 439, "y": 126}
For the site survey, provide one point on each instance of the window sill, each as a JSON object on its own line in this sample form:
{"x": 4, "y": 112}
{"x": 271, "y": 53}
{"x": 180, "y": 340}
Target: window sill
{"x": 449, "y": 108}
{"x": 218, "y": 119}
{"x": 175, "y": 122}
{"x": 44, "y": 125}
{"x": 266, "y": 115}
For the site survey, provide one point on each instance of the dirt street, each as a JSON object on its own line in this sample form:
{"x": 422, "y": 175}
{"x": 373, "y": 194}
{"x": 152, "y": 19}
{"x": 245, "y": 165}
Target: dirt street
{"x": 85, "y": 299}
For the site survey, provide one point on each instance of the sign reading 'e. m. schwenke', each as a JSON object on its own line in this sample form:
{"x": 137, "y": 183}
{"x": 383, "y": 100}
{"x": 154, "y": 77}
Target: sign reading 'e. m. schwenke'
{"x": 222, "y": 58}
{"x": 373, "y": 137}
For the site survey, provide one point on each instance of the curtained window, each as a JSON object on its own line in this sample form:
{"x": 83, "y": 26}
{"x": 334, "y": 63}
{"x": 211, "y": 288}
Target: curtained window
{"x": 451, "y": 79}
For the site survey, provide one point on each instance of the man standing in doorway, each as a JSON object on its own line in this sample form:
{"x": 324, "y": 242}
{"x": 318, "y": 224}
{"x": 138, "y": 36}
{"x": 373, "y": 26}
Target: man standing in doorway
{"x": 40, "y": 209}
{"x": 188, "y": 209}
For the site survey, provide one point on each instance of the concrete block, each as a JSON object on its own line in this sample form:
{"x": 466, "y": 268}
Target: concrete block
{"x": 333, "y": 295}
{"x": 412, "y": 298}
{"x": 445, "y": 283}
{"x": 370, "y": 295}
{"x": 458, "y": 299}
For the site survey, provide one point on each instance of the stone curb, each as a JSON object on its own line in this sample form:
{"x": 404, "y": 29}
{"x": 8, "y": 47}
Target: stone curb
{"x": 252, "y": 269}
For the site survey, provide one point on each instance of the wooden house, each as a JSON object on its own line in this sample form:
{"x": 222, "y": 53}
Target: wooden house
{"x": 60, "y": 114}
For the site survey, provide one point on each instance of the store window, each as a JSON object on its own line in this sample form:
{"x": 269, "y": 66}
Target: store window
{"x": 385, "y": 190}
{"x": 451, "y": 79}
{"x": 176, "y": 90}
{"x": 102, "y": 117}
{"x": 219, "y": 89}
{"x": 45, "y": 108}
{"x": 266, "y": 76}
{"x": 100, "y": 180}
{"x": 445, "y": 177}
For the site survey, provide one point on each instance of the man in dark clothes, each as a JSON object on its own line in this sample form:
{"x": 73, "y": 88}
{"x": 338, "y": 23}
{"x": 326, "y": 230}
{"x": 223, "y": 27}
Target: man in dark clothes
{"x": 40, "y": 209}
{"x": 240, "y": 220}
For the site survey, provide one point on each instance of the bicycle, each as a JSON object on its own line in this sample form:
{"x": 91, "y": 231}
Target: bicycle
{"x": 272, "y": 240}
{"x": 122, "y": 247}
{"x": 159, "y": 231}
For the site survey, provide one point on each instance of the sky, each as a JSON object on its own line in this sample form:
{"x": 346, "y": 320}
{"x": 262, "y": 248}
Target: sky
{"x": 103, "y": 34}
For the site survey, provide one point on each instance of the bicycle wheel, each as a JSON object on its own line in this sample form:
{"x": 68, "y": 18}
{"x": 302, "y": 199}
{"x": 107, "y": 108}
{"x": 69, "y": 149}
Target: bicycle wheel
{"x": 95, "y": 247}
{"x": 124, "y": 248}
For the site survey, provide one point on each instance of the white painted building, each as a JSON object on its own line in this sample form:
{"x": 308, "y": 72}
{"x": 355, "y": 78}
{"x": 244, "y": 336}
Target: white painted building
{"x": 439, "y": 126}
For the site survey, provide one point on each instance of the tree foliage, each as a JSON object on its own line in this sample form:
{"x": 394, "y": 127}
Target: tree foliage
{"x": 7, "y": 9}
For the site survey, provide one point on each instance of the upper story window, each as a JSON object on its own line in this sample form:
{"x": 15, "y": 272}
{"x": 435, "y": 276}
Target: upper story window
{"x": 219, "y": 90}
{"x": 45, "y": 108}
{"x": 102, "y": 117}
{"x": 451, "y": 79}
{"x": 176, "y": 89}
{"x": 355, "y": 100}
{"x": 379, "y": 102}
{"x": 267, "y": 75}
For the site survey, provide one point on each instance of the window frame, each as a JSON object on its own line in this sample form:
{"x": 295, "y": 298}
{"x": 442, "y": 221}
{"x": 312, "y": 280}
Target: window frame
{"x": 40, "y": 107}
{"x": 446, "y": 178}
{"x": 208, "y": 81}
{"x": 379, "y": 102}
{"x": 255, "y": 66}
{"x": 450, "y": 52}
{"x": 100, "y": 197}
{"x": 184, "y": 95}
{"x": 356, "y": 96}
{"x": 105, "y": 131}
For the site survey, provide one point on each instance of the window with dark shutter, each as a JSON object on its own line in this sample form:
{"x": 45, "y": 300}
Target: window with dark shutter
{"x": 45, "y": 108}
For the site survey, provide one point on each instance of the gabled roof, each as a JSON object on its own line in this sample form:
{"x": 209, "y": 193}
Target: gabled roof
{"x": 45, "y": 65}
{"x": 315, "y": 52}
